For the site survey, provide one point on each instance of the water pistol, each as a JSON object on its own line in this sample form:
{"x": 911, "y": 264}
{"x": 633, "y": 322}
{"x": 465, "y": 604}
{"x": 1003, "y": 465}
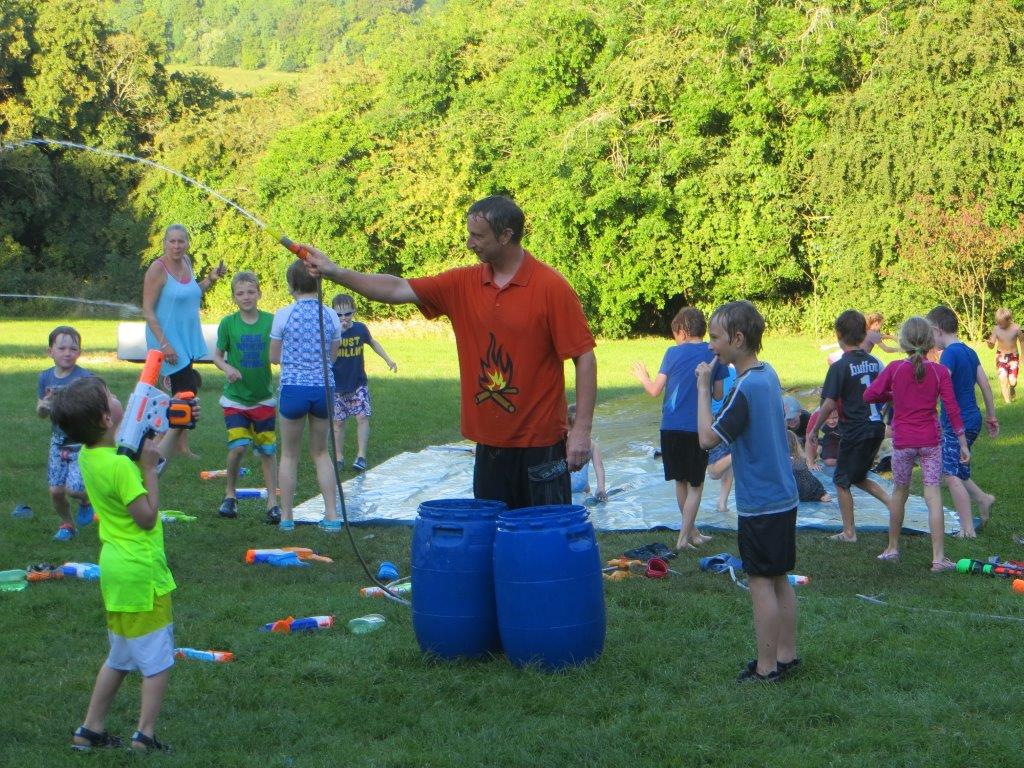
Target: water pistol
{"x": 624, "y": 564}
{"x": 247, "y": 494}
{"x": 150, "y": 412}
{"x": 404, "y": 588}
{"x": 1004, "y": 570}
{"x": 43, "y": 572}
{"x": 84, "y": 571}
{"x": 273, "y": 556}
{"x": 216, "y": 474}
{"x": 176, "y": 515}
{"x": 219, "y": 657}
{"x": 308, "y": 624}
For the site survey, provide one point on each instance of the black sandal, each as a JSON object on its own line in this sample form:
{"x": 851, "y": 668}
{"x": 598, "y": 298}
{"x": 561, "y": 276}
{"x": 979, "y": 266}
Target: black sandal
{"x": 95, "y": 739}
{"x": 149, "y": 742}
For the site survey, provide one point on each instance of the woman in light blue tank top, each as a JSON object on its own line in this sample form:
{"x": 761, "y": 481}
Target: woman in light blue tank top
{"x": 170, "y": 304}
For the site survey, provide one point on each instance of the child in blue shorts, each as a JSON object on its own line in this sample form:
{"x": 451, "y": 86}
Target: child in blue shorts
{"x": 295, "y": 345}
{"x": 752, "y": 422}
{"x": 965, "y": 370}
{"x": 63, "y": 477}
{"x": 352, "y": 395}
{"x": 135, "y": 581}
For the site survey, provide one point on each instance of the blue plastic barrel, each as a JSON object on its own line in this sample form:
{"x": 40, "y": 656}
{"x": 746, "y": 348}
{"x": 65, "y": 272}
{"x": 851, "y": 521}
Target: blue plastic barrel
{"x": 548, "y": 586}
{"x": 453, "y": 612}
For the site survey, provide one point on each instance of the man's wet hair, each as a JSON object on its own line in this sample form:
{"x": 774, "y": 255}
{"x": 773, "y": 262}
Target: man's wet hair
{"x": 500, "y": 213}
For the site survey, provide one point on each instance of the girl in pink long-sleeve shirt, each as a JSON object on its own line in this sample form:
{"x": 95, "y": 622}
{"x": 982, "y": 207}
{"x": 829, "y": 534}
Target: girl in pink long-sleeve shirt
{"x": 914, "y": 386}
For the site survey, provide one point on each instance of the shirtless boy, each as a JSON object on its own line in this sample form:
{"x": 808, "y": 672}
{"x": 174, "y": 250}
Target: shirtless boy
{"x": 1003, "y": 338}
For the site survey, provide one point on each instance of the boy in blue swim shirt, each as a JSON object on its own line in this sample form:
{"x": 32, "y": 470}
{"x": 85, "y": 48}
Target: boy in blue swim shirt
{"x": 751, "y": 422}
{"x": 684, "y": 460}
{"x": 965, "y": 371}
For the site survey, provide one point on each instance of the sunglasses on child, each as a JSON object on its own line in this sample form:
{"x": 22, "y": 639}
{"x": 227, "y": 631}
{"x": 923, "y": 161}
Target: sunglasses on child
{"x": 346, "y": 314}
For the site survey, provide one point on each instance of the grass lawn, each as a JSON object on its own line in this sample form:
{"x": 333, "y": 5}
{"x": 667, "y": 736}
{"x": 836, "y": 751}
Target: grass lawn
{"x": 894, "y": 686}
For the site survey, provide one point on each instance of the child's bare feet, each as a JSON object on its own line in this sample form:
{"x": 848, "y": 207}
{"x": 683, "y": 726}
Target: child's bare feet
{"x": 683, "y": 544}
{"x": 699, "y": 538}
{"x": 966, "y": 532}
{"x": 844, "y": 537}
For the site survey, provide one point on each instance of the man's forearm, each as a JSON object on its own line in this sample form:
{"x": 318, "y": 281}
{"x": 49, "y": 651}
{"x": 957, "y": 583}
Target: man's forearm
{"x": 586, "y": 389}
{"x": 377, "y": 287}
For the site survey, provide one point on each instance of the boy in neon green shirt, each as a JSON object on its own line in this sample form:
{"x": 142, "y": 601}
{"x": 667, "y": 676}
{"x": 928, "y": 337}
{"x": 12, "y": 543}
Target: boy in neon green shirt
{"x": 134, "y": 578}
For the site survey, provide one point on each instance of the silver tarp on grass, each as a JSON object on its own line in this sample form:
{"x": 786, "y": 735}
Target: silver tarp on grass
{"x": 626, "y": 431}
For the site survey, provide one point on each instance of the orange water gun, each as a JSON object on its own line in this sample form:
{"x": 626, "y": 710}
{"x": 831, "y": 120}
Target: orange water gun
{"x": 291, "y": 624}
{"x": 303, "y": 553}
{"x": 219, "y": 657}
{"x": 150, "y": 412}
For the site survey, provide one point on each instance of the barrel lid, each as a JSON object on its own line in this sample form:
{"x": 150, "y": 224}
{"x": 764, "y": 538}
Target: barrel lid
{"x": 461, "y": 509}
{"x": 550, "y": 516}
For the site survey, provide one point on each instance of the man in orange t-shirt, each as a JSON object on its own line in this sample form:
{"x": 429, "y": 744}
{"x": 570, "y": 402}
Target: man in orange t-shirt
{"x": 516, "y": 321}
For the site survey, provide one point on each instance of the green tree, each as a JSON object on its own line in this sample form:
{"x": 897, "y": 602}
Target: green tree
{"x": 955, "y": 256}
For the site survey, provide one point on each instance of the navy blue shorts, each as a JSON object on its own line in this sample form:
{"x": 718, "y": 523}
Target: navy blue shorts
{"x": 296, "y": 402}
{"x": 951, "y": 454}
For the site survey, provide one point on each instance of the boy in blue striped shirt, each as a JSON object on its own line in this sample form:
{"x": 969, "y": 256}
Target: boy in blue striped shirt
{"x": 752, "y": 423}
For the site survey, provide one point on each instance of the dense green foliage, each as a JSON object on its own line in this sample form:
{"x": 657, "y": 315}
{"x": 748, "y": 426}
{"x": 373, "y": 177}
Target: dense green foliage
{"x": 286, "y": 35}
{"x": 665, "y": 152}
{"x": 65, "y": 221}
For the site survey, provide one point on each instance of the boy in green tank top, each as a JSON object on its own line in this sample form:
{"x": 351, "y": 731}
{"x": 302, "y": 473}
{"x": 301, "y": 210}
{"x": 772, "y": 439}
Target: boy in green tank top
{"x": 135, "y": 581}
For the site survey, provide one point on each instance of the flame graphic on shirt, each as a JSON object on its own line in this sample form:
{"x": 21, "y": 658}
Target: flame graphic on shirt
{"x": 496, "y": 377}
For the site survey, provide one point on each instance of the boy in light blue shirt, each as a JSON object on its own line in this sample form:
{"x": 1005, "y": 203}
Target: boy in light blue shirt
{"x": 751, "y": 422}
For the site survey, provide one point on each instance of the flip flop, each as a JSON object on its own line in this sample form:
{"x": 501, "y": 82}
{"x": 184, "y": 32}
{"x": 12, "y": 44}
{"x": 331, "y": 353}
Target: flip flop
{"x": 889, "y": 557}
{"x": 943, "y": 566}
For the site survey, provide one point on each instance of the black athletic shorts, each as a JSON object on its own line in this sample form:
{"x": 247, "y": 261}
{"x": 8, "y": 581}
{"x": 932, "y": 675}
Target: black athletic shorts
{"x": 186, "y": 380}
{"x": 855, "y": 460}
{"x": 522, "y": 477}
{"x": 683, "y": 458}
{"x": 768, "y": 543}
